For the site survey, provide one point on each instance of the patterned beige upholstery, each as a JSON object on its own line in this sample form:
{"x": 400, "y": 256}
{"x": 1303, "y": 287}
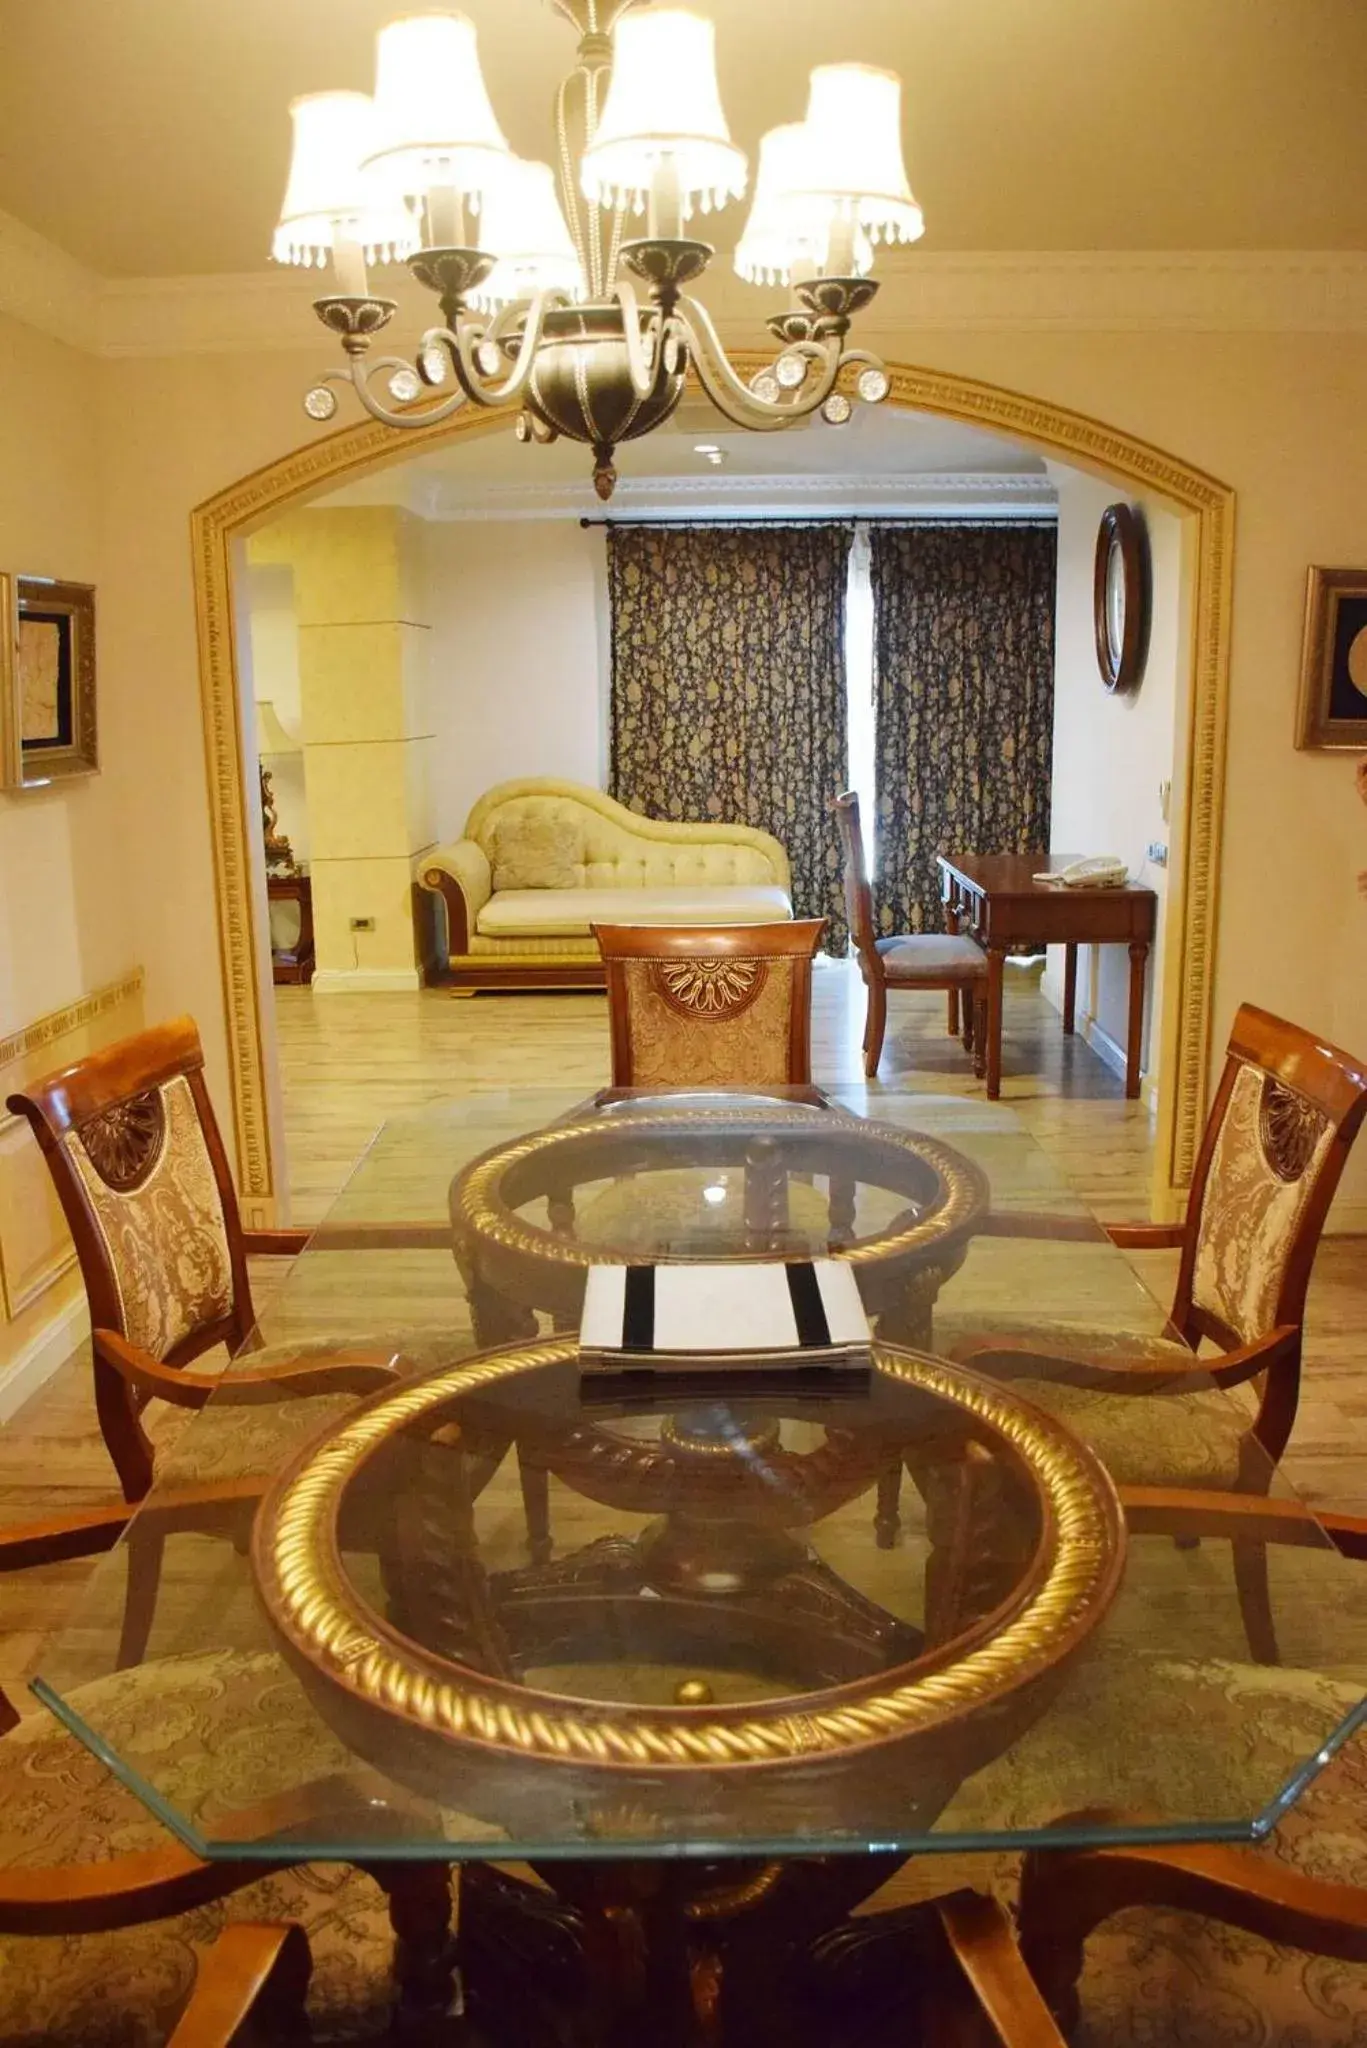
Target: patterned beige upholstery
{"x": 1155, "y": 1978}
{"x": 710, "y": 1022}
{"x": 150, "y": 1183}
{"x": 1142, "y": 1439}
{"x": 1267, "y": 1156}
{"x": 59, "y": 1805}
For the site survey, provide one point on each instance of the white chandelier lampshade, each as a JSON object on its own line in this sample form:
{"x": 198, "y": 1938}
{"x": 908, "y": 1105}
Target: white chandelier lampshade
{"x": 523, "y": 225}
{"x": 664, "y": 103}
{"x": 788, "y": 230}
{"x": 329, "y": 199}
{"x": 434, "y": 124}
{"x": 854, "y": 159}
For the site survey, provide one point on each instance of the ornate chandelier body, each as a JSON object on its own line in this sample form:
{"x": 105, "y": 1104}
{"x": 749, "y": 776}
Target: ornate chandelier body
{"x": 536, "y": 311}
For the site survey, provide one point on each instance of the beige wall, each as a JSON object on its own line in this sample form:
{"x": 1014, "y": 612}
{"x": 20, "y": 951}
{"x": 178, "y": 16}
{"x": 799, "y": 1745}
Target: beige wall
{"x": 65, "y": 921}
{"x": 517, "y": 659}
{"x": 1112, "y": 752}
{"x": 1283, "y": 418}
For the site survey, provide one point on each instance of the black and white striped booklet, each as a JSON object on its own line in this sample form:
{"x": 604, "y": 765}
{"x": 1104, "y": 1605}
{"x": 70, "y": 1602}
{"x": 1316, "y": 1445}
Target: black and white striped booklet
{"x": 675, "y": 1318}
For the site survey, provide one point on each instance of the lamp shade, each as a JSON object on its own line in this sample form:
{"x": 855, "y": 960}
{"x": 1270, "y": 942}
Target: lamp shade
{"x": 434, "y": 125}
{"x": 271, "y": 736}
{"x": 663, "y": 101}
{"x": 523, "y": 226}
{"x": 329, "y": 198}
{"x": 854, "y": 125}
{"x": 787, "y": 226}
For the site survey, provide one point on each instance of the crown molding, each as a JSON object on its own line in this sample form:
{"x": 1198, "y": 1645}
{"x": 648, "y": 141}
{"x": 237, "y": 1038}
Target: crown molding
{"x": 951, "y": 494}
{"x": 1077, "y": 291}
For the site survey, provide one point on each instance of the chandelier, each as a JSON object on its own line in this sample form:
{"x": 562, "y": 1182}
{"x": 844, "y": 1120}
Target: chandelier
{"x": 565, "y": 292}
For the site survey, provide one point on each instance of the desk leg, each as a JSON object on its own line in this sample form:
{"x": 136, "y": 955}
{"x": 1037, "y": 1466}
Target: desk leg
{"x": 996, "y": 963}
{"x": 1139, "y": 958}
{"x": 431, "y": 1998}
{"x": 953, "y": 925}
{"x": 1069, "y": 988}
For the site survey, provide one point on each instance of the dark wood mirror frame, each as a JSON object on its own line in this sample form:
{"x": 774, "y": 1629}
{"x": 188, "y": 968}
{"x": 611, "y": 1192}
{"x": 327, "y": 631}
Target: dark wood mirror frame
{"x": 1122, "y": 528}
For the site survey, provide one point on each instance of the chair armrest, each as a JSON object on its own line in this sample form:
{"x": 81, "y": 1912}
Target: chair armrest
{"x": 982, "y": 1941}
{"x": 254, "y": 1976}
{"x": 1010, "y": 1359}
{"x": 275, "y": 1244}
{"x": 248, "y": 1386}
{"x": 461, "y": 876}
{"x": 1147, "y": 1237}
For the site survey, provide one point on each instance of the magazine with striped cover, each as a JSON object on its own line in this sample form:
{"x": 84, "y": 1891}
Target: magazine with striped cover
{"x": 798, "y": 1312}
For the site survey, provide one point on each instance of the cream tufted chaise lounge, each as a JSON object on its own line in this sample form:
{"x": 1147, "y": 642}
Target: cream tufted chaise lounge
{"x": 543, "y": 861}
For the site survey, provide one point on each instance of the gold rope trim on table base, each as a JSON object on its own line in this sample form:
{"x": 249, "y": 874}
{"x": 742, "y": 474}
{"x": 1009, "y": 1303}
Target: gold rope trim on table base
{"x": 326, "y": 1625}
{"x": 477, "y": 1205}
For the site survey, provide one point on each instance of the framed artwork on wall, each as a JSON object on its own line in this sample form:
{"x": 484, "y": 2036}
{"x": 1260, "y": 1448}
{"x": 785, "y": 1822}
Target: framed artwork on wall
{"x": 47, "y": 681}
{"x": 1333, "y": 698}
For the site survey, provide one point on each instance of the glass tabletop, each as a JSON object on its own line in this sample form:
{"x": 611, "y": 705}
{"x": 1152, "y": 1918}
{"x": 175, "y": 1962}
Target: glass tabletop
{"x": 495, "y": 1609}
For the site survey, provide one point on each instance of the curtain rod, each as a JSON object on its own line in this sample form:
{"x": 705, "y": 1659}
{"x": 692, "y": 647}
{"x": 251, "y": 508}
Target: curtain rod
{"x": 820, "y": 519}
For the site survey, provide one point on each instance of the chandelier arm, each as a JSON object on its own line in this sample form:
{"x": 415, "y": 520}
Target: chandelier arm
{"x": 507, "y": 393}
{"x": 643, "y": 371}
{"x": 359, "y": 376}
{"x": 736, "y": 399}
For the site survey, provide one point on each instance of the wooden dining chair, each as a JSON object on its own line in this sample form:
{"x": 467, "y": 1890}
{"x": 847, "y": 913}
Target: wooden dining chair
{"x": 1285, "y": 1115}
{"x": 914, "y": 960}
{"x": 710, "y": 1006}
{"x": 1205, "y": 1942}
{"x": 75, "y": 1876}
{"x": 134, "y": 1150}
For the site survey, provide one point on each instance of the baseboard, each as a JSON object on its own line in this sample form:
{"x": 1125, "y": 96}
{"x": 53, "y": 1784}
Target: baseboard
{"x": 32, "y": 1367}
{"x": 1347, "y": 1219}
{"x": 365, "y": 981}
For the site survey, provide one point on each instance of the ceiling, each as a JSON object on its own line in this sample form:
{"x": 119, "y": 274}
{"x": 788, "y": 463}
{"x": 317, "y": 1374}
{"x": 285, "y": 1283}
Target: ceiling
{"x": 149, "y": 137}
{"x": 883, "y": 456}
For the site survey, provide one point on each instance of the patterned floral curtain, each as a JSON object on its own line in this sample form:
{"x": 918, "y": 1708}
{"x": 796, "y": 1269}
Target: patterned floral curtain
{"x": 964, "y": 697}
{"x": 728, "y": 686}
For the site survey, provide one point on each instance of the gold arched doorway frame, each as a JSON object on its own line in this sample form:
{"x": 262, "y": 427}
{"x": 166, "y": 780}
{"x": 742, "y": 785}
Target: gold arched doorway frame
{"x": 223, "y": 520}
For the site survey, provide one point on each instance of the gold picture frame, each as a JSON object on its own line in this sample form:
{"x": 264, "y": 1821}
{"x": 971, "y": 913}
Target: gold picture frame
{"x": 48, "y": 729}
{"x": 1332, "y": 708}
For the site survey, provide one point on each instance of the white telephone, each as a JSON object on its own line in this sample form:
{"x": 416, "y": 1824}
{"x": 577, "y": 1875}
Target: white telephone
{"x": 1101, "y": 871}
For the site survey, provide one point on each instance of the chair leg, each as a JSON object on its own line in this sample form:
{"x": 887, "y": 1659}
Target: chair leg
{"x": 1255, "y": 1600}
{"x": 980, "y": 1036}
{"x": 144, "y": 1547}
{"x": 970, "y": 1021}
{"x": 875, "y": 1028}
{"x": 953, "y": 1009}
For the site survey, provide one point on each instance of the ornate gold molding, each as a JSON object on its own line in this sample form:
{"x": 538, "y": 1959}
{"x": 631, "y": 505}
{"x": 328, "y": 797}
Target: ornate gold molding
{"x": 336, "y": 1637}
{"x": 326, "y": 464}
{"x": 58, "y": 1023}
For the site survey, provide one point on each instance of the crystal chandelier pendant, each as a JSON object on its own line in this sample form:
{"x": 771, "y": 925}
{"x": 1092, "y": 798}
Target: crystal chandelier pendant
{"x": 568, "y": 296}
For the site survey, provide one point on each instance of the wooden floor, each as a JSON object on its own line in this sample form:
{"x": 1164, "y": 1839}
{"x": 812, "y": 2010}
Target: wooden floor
{"x": 348, "y": 1062}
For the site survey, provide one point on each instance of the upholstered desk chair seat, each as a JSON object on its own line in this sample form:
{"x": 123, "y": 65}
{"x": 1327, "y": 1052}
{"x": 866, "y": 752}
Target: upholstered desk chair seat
{"x": 728, "y": 1006}
{"x": 914, "y": 960}
{"x": 131, "y": 1141}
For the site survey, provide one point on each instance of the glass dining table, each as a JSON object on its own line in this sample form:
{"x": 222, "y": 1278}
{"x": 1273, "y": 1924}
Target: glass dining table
{"x": 707, "y": 1656}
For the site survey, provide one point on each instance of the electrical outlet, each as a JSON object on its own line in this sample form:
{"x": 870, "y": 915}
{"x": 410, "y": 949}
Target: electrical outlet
{"x": 1157, "y": 853}
{"x": 363, "y": 924}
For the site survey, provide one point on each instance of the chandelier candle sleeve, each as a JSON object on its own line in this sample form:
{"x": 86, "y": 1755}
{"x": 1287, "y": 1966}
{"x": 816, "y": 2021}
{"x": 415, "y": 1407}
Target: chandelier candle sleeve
{"x": 546, "y": 305}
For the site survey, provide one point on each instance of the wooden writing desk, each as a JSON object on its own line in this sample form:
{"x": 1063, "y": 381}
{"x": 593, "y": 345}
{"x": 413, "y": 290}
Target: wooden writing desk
{"x": 994, "y": 898}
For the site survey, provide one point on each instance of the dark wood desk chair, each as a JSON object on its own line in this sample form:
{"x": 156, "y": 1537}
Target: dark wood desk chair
{"x": 915, "y": 960}
{"x": 67, "y": 1965}
{"x": 1285, "y": 1115}
{"x": 133, "y": 1146}
{"x": 710, "y": 1006}
{"x": 1219, "y": 1944}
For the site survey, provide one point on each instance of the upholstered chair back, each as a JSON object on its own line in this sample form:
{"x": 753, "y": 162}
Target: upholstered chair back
{"x": 726, "y": 1006}
{"x": 130, "y": 1138}
{"x": 858, "y": 895}
{"x": 1284, "y": 1118}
